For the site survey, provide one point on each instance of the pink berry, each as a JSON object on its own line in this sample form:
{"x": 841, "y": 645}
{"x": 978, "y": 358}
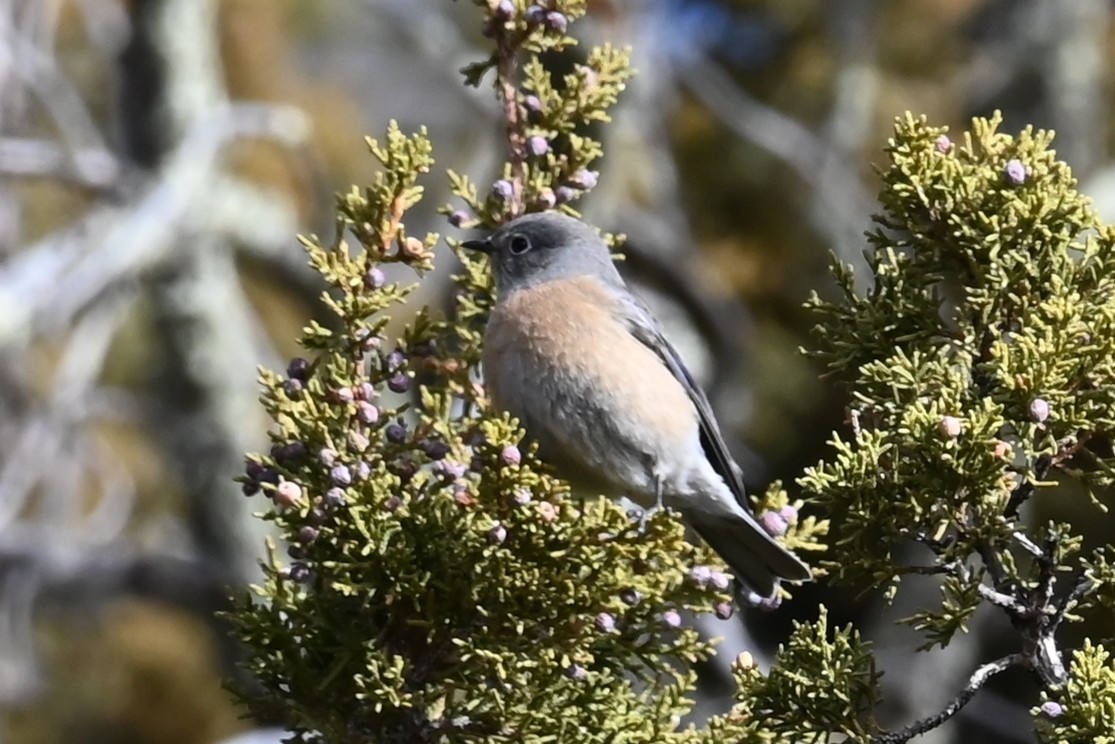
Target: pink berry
{"x": 503, "y": 189}
{"x": 374, "y": 278}
{"x": 341, "y": 475}
{"x": 950, "y": 427}
{"x": 538, "y": 145}
{"x": 497, "y": 534}
{"x": 700, "y": 575}
{"x": 547, "y": 511}
{"x": 533, "y": 106}
{"x": 556, "y": 21}
{"x": 563, "y": 194}
{"x": 583, "y": 179}
{"x": 288, "y": 493}
{"x": 671, "y": 619}
{"x": 1052, "y": 708}
{"x": 462, "y": 496}
{"x": 366, "y": 412}
{"x": 773, "y": 523}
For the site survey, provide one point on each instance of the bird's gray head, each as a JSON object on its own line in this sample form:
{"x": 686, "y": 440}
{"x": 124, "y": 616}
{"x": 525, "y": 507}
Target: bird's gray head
{"x": 541, "y": 247}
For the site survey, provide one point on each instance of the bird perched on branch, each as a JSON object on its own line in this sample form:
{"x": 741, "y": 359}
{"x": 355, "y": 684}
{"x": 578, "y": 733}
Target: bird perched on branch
{"x": 583, "y": 364}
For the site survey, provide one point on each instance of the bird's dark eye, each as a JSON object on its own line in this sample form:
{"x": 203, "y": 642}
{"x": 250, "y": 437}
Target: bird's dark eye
{"x": 519, "y": 245}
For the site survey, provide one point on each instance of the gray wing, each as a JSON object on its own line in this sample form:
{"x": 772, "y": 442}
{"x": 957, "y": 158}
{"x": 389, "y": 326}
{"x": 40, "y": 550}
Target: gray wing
{"x": 645, "y": 328}
{"x": 753, "y": 555}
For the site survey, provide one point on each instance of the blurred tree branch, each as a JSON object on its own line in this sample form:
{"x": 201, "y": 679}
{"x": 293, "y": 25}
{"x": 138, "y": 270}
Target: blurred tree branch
{"x": 66, "y": 496}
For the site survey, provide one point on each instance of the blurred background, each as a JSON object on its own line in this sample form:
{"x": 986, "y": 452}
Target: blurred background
{"x": 158, "y": 157}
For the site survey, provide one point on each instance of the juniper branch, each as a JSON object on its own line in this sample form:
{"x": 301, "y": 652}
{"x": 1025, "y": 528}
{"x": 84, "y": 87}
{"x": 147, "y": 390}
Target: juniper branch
{"x": 979, "y": 678}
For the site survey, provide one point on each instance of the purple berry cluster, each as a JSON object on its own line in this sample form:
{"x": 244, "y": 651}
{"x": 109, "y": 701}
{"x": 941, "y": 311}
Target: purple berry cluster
{"x": 581, "y": 181}
{"x": 777, "y": 523}
{"x": 706, "y": 578}
{"x": 258, "y": 476}
{"x": 342, "y": 465}
{"x": 701, "y": 576}
{"x": 539, "y": 15}
{"x": 394, "y": 366}
{"x": 503, "y": 15}
{"x": 298, "y": 374}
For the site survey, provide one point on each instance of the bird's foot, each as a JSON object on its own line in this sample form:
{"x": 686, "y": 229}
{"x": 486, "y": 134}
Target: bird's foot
{"x": 643, "y": 517}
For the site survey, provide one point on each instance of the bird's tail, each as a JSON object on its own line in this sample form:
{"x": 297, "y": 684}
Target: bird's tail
{"x": 756, "y": 558}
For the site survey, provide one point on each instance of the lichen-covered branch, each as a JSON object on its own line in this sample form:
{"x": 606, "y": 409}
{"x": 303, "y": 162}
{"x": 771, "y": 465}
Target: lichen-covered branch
{"x": 979, "y": 678}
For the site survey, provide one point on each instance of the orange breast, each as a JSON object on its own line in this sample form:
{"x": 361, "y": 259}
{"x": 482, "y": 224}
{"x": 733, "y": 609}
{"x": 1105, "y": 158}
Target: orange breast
{"x": 559, "y": 357}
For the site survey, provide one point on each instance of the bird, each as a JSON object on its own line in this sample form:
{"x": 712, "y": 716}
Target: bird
{"x": 584, "y": 366}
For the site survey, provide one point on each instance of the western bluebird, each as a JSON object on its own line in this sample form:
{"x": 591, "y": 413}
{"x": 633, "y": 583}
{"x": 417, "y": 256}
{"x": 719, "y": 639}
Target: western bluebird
{"x": 585, "y": 368}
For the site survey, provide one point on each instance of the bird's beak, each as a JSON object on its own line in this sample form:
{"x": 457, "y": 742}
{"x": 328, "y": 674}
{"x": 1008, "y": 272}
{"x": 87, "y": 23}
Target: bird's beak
{"x": 484, "y": 246}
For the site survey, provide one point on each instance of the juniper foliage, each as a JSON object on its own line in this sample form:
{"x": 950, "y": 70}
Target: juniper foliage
{"x": 440, "y": 584}
{"x": 980, "y": 367}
